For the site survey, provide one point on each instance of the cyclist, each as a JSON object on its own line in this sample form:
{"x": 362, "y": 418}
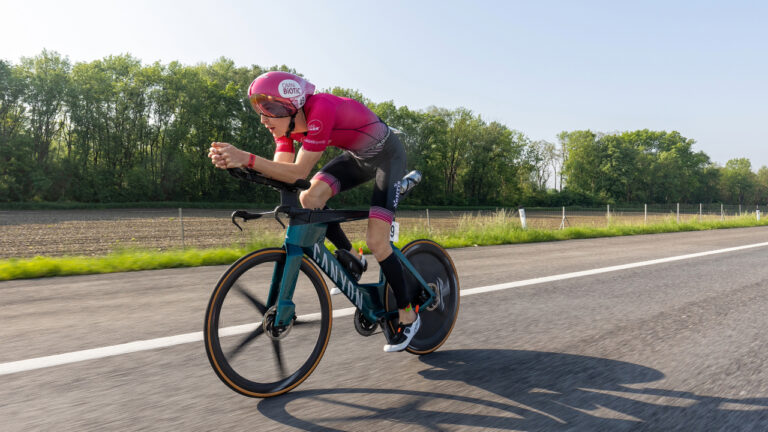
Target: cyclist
{"x": 292, "y": 111}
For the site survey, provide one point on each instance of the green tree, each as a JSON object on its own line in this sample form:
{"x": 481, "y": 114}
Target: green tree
{"x": 739, "y": 182}
{"x": 491, "y": 160}
{"x": 761, "y": 186}
{"x": 15, "y": 145}
{"x": 432, "y": 138}
{"x": 542, "y": 156}
{"x": 581, "y": 169}
{"x": 45, "y": 79}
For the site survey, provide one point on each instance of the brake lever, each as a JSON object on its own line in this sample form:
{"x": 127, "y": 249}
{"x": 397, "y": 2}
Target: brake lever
{"x": 277, "y": 217}
{"x": 238, "y": 213}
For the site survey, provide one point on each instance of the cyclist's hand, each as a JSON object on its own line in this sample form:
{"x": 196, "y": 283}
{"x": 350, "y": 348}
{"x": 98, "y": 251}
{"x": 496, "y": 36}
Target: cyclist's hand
{"x": 225, "y": 155}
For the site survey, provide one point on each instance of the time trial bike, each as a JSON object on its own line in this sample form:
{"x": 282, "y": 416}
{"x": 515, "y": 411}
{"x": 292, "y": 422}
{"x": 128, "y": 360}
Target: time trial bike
{"x": 268, "y": 321}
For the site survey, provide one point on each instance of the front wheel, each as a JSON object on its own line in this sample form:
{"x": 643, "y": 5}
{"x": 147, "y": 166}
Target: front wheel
{"x": 437, "y": 319}
{"x": 247, "y": 352}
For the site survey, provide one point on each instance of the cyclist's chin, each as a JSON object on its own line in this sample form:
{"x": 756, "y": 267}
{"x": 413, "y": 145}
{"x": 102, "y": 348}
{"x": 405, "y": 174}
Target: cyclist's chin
{"x": 276, "y": 133}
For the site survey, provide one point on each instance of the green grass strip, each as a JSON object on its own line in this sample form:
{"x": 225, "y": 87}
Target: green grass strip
{"x": 123, "y": 261}
{"x": 497, "y": 229}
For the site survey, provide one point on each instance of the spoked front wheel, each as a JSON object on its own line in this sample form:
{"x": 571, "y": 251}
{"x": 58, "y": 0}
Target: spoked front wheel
{"x": 247, "y": 352}
{"x": 437, "y": 319}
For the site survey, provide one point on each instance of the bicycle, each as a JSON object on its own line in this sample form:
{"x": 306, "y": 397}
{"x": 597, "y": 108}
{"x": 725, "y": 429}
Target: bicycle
{"x": 279, "y": 300}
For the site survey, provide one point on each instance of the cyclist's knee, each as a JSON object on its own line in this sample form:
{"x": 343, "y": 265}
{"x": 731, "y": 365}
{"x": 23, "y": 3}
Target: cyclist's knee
{"x": 379, "y": 245}
{"x": 311, "y": 200}
{"x": 316, "y": 196}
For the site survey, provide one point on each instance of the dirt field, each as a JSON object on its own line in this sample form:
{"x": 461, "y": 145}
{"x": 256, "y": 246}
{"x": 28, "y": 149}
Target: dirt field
{"x": 96, "y": 232}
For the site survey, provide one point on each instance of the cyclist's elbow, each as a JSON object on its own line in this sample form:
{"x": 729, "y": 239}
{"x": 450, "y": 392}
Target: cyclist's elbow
{"x": 296, "y": 172}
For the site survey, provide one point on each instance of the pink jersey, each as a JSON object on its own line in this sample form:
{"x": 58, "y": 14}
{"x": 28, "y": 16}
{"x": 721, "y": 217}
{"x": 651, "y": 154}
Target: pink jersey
{"x": 339, "y": 122}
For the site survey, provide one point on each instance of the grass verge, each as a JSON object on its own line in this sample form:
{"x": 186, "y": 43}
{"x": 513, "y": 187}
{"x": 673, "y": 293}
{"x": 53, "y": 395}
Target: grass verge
{"x": 498, "y": 229}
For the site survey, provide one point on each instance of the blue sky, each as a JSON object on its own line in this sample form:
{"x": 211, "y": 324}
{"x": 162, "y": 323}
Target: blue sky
{"x": 698, "y": 67}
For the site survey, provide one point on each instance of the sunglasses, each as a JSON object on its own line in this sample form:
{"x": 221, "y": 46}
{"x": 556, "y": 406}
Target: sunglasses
{"x": 268, "y": 106}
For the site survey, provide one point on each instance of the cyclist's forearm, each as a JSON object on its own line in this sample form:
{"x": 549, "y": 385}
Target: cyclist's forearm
{"x": 287, "y": 172}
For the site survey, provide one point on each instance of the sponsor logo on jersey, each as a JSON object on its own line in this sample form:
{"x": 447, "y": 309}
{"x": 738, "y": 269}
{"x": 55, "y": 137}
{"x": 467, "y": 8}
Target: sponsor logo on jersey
{"x": 314, "y": 127}
{"x": 313, "y": 142}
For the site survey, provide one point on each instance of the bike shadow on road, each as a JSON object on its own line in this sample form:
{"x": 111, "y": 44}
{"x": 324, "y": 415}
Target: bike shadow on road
{"x": 534, "y": 391}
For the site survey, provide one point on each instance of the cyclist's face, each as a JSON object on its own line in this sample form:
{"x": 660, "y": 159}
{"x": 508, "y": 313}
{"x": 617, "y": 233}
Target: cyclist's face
{"x": 277, "y": 125}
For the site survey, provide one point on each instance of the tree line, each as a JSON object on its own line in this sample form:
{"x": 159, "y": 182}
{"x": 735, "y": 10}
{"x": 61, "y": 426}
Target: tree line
{"x": 115, "y": 130}
{"x": 656, "y": 167}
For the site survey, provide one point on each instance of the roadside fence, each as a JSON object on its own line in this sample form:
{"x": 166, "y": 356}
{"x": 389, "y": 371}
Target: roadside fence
{"x": 95, "y": 232}
{"x": 563, "y": 217}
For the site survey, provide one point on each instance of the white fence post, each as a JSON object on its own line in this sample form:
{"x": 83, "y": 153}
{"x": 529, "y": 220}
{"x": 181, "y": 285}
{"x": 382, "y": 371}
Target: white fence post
{"x": 678, "y": 212}
{"x": 522, "y": 218}
{"x": 722, "y": 215}
{"x": 699, "y": 212}
{"x": 562, "y": 221}
{"x": 645, "y": 214}
{"x": 608, "y": 214}
{"x": 428, "y": 226}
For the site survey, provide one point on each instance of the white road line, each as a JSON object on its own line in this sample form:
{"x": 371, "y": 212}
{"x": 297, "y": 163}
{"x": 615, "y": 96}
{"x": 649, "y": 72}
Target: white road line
{"x": 145, "y": 345}
{"x": 564, "y": 276}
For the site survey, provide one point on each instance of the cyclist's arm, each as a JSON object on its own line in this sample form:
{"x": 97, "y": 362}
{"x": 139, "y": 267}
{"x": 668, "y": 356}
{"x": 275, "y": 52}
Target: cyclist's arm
{"x": 288, "y": 172}
{"x": 283, "y": 157}
{"x": 284, "y": 151}
{"x": 225, "y": 155}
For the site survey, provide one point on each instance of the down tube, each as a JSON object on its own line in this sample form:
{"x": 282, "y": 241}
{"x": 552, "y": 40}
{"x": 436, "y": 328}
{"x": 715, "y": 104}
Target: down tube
{"x": 338, "y": 275}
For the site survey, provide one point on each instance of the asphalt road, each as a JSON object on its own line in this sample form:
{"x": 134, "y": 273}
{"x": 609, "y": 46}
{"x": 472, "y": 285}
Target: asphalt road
{"x": 677, "y": 345}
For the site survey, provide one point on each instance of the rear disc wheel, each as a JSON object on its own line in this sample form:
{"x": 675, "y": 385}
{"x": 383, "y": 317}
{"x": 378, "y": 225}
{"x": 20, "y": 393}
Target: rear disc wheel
{"x": 437, "y": 318}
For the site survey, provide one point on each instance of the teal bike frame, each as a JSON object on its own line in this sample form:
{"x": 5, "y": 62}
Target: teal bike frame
{"x": 309, "y": 239}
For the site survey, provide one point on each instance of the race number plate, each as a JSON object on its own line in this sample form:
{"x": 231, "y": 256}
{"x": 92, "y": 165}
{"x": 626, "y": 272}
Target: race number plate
{"x": 394, "y": 232}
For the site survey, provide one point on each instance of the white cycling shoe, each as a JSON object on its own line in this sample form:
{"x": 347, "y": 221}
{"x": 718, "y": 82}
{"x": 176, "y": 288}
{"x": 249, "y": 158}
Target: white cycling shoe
{"x": 404, "y": 335}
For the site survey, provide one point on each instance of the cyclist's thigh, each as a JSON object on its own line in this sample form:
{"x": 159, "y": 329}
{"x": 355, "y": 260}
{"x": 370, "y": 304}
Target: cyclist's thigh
{"x": 390, "y": 168}
{"x": 344, "y": 172}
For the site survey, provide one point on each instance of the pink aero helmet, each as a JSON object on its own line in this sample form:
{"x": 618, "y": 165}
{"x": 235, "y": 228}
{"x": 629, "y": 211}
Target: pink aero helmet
{"x": 279, "y": 94}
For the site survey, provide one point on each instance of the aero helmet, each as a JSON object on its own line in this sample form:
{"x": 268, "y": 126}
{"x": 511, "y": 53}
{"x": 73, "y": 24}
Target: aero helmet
{"x": 279, "y": 94}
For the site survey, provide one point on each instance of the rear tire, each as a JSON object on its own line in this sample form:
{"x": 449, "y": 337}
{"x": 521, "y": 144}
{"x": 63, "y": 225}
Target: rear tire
{"x": 437, "y": 320}
{"x": 245, "y": 351}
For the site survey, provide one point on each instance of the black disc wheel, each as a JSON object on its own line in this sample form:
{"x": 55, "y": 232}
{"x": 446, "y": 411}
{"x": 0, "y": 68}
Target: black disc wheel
{"x": 248, "y": 352}
{"x": 438, "y": 317}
